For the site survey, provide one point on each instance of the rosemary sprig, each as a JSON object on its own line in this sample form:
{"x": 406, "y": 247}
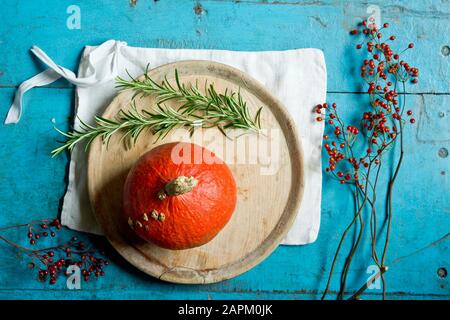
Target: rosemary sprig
{"x": 228, "y": 109}
{"x": 225, "y": 111}
{"x": 132, "y": 122}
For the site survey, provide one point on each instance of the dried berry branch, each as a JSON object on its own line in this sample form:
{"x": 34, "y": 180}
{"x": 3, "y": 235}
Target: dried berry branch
{"x": 51, "y": 262}
{"x": 382, "y": 123}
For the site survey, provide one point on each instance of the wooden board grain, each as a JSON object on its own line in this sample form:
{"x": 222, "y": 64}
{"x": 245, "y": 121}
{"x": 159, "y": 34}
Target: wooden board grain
{"x": 269, "y": 193}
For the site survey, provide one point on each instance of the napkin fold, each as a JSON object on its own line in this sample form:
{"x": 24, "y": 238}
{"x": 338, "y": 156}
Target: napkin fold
{"x": 297, "y": 77}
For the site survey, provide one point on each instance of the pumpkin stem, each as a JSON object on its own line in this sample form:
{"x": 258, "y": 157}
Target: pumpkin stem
{"x": 178, "y": 186}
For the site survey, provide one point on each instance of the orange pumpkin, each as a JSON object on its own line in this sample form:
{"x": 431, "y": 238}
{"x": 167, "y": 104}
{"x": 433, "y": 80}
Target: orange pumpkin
{"x": 179, "y": 195}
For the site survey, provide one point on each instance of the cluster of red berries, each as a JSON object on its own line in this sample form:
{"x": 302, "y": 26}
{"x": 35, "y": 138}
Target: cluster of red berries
{"x": 46, "y": 229}
{"x": 380, "y": 124}
{"x": 54, "y": 261}
{"x": 325, "y": 106}
{"x": 383, "y": 57}
{"x": 376, "y": 122}
{"x": 72, "y": 253}
{"x": 353, "y": 130}
{"x": 347, "y": 176}
{"x": 334, "y": 156}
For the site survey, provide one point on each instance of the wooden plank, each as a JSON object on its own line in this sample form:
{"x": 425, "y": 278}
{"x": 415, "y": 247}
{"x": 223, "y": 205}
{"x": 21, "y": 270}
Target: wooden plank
{"x": 33, "y": 184}
{"x": 233, "y": 25}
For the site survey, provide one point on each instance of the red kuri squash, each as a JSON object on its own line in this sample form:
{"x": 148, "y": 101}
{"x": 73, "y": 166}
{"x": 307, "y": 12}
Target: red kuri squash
{"x": 179, "y": 195}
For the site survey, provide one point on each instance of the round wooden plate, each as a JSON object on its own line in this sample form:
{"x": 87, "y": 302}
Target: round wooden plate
{"x": 268, "y": 169}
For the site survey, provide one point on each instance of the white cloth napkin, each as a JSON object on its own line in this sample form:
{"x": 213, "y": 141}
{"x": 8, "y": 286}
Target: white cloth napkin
{"x": 296, "y": 77}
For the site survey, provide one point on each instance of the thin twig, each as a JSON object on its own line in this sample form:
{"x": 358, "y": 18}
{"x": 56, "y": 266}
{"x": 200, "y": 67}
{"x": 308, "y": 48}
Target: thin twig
{"x": 391, "y": 186}
{"x": 350, "y": 256}
{"x": 342, "y": 240}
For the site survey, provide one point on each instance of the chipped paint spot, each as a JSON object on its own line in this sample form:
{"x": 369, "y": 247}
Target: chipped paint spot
{"x": 133, "y": 3}
{"x": 198, "y": 9}
{"x": 445, "y": 51}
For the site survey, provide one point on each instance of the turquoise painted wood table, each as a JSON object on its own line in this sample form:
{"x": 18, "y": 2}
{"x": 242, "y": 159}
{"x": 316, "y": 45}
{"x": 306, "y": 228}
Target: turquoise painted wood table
{"x": 32, "y": 183}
